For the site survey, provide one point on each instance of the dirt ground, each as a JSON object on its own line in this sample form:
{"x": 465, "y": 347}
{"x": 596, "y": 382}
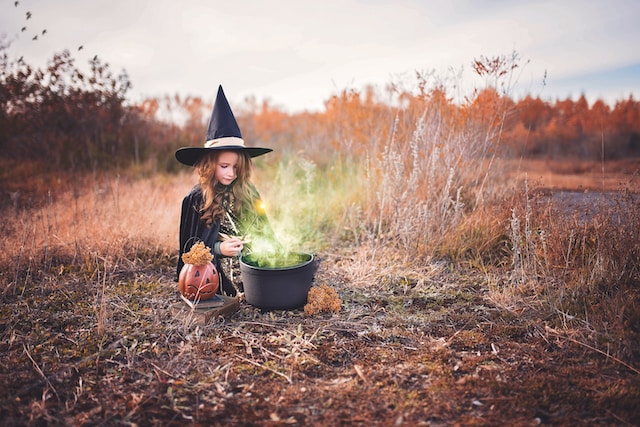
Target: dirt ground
{"x": 102, "y": 348}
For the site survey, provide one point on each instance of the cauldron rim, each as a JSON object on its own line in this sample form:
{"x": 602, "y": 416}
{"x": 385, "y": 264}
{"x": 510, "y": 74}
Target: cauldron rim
{"x": 291, "y": 267}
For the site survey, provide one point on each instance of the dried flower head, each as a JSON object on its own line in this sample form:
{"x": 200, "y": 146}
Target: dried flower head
{"x": 199, "y": 254}
{"x": 322, "y": 298}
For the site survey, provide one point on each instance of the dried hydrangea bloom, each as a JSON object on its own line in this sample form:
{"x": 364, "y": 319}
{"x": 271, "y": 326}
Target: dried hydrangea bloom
{"x": 199, "y": 254}
{"x": 322, "y": 298}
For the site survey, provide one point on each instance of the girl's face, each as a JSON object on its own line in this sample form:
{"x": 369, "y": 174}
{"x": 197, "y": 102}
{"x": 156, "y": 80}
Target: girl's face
{"x": 226, "y": 167}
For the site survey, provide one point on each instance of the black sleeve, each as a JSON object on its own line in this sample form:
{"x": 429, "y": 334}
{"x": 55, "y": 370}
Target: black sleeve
{"x": 190, "y": 224}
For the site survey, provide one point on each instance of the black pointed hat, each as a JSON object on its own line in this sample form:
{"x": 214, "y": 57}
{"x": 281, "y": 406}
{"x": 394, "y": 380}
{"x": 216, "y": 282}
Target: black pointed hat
{"x": 223, "y": 134}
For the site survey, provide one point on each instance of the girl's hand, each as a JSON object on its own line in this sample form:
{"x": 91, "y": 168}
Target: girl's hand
{"x": 231, "y": 247}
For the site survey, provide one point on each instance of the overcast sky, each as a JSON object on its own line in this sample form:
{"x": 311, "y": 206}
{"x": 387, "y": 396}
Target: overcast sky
{"x": 298, "y": 53}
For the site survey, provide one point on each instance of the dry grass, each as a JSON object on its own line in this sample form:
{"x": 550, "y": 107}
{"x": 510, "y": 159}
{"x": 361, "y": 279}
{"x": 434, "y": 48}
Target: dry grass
{"x": 111, "y": 219}
{"x": 457, "y": 300}
{"x": 90, "y": 339}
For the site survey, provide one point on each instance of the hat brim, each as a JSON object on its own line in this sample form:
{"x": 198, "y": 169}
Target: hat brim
{"x": 190, "y": 155}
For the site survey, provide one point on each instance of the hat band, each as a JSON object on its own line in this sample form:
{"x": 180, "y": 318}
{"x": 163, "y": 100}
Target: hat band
{"x": 227, "y": 141}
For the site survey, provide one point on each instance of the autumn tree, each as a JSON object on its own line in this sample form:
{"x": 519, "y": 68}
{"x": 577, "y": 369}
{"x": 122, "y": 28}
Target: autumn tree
{"x": 61, "y": 116}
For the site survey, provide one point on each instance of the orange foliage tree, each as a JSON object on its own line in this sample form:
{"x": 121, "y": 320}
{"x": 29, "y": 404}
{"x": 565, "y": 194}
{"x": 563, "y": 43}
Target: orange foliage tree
{"x": 71, "y": 120}
{"x": 571, "y": 129}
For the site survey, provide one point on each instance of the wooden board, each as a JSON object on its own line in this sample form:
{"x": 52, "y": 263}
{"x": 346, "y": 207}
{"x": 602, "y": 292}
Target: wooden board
{"x": 205, "y": 311}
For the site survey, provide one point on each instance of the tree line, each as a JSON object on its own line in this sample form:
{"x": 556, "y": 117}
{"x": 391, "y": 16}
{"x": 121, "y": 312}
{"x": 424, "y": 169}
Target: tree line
{"x": 64, "y": 119}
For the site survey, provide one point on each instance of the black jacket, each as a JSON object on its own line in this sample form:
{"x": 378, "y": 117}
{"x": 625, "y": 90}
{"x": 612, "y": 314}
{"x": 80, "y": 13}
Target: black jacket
{"x": 194, "y": 229}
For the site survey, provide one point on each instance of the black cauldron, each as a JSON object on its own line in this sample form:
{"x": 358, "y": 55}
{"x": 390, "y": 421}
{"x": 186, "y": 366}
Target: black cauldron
{"x": 277, "y": 288}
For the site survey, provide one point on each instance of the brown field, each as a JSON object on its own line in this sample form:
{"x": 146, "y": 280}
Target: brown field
{"x": 577, "y": 176}
{"x": 507, "y": 321}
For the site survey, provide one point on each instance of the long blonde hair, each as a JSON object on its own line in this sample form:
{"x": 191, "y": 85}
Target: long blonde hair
{"x": 241, "y": 191}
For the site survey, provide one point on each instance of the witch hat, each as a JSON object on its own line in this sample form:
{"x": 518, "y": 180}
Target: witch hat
{"x": 223, "y": 134}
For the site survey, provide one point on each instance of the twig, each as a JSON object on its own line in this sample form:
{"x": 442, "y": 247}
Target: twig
{"x": 102, "y": 310}
{"x": 39, "y": 371}
{"x": 360, "y": 373}
{"x": 590, "y": 347}
{"x": 243, "y": 239}
{"x": 618, "y": 418}
{"x": 288, "y": 378}
{"x": 65, "y": 371}
{"x": 170, "y": 375}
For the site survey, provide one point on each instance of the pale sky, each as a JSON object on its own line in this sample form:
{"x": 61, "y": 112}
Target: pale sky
{"x": 297, "y": 53}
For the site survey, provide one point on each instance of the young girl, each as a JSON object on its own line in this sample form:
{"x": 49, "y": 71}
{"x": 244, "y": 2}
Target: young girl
{"x": 223, "y": 210}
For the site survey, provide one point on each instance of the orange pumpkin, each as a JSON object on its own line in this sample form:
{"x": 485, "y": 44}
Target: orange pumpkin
{"x": 198, "y": 282}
